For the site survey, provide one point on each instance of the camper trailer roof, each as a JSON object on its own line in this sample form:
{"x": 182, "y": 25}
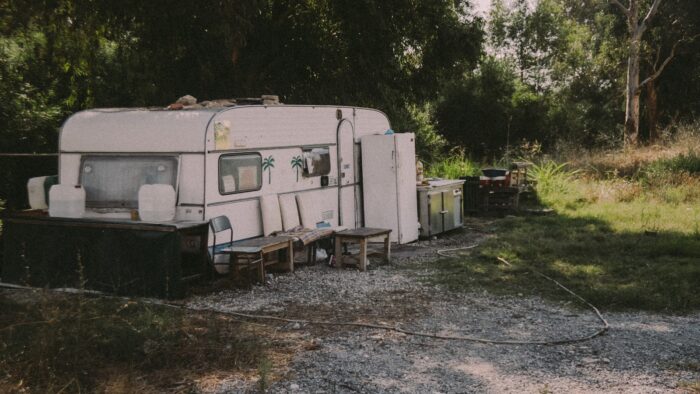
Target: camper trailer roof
{"x": 191, "y": 129}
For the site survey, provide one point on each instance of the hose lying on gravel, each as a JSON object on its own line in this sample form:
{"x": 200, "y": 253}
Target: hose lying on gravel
{"x": 601, "y": 331}
{"x": 352, "y": 324}
{"x": 443, "y": 252}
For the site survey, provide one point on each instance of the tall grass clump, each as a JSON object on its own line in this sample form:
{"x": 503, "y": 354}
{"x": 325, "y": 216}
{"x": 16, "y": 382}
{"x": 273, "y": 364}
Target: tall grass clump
{"x": 552, "y": 180}
{"x": 453, "y": 167}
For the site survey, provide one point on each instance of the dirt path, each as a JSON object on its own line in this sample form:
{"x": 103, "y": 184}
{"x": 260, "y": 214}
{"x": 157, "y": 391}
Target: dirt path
{"x": 641, "y": 353}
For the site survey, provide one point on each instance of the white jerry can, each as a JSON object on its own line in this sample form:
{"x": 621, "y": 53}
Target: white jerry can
{"x": 37, "y": 193}
{"x": 67, "y": 201}
{"x": 157, "y": 203}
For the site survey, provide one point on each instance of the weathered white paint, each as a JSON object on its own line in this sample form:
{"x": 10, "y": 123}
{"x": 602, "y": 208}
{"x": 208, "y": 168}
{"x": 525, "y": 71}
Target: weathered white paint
{"x": 135, "y": 130}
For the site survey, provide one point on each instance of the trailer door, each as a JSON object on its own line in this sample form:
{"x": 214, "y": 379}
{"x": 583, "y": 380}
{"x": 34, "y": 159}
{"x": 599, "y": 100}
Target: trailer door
{"x": 346, "y": 174}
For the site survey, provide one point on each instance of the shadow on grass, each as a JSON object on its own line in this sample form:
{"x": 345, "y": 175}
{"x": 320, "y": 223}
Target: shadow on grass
{"x": 614, "y": 270}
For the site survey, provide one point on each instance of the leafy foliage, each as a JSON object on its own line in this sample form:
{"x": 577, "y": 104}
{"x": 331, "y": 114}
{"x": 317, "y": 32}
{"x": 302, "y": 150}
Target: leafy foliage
{"x": 66, "y": 55}
{"x": 453, "y": 167}
{"x": 551, "y": 177}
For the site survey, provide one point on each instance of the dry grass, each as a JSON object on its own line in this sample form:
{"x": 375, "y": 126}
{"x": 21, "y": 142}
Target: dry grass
{"x": 690, "y": 387}
{"x": 629, "y": 162}
{"x": 52, "y": 343}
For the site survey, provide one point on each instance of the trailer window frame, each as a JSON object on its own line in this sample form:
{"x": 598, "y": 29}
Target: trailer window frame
{"x": 219, "y": 178}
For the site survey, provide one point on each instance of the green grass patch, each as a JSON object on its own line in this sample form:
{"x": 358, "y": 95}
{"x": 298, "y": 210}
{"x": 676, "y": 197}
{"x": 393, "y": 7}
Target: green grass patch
{"x": 619, "y": 243}
{"x": 453, "y": 167}
{"x": 51, "y": 343}
{"x": 684, "y": 163}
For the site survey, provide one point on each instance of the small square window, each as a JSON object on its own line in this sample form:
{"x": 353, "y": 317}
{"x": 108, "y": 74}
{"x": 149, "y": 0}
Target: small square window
{"x": 240, "y": 173}
{"x": 317, "y": 162}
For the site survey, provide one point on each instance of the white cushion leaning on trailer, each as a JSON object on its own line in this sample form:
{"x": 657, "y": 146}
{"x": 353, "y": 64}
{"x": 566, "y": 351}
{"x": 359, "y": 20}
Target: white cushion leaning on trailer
{"x": 271, "y": 215}
{"x": 290, "y": 215}
{"x": 308, "y": 210}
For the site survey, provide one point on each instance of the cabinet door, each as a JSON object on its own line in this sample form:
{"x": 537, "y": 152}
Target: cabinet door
{"x": 436, "y": 216}
{"x": 448, "y": 209}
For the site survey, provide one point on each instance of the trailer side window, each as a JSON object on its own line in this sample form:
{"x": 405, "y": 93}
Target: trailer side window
{"x": 240, "y": 173}
{"x": 317, "y": 161}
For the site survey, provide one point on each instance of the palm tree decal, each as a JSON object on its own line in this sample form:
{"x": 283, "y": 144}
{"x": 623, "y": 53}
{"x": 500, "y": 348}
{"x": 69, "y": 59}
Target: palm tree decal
{"x": 296, "y": 164}
{"x": 267, "y": 165}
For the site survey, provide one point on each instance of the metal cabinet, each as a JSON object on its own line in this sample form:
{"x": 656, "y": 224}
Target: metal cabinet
{"x": 440, "y": 206}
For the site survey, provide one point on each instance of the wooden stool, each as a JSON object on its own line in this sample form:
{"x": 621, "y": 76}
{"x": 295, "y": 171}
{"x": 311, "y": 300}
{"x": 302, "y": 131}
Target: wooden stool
{"x": 361, "y": 236}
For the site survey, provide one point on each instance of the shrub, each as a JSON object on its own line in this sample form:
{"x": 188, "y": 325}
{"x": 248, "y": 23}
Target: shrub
{"x": 453, "y": 167}
{"x": 551, "y": 178}
{"x": 684, "y": 163}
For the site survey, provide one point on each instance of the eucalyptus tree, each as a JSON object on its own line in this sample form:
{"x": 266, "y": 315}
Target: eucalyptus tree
{"x": 637, "y": 26}
{"x": 672, "y": 96}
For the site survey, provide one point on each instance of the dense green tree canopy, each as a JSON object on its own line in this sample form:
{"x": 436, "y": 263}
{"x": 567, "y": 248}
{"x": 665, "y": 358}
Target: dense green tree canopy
{"x": 60, "y": 56}
{"x": 549, "y": 71}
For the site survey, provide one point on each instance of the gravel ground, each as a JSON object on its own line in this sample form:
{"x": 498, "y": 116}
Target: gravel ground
{"x": 641, "y": 352}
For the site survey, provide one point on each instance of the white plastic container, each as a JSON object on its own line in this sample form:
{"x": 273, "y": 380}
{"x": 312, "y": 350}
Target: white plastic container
{"x": 157, "y": 203}
{"x": 67, "y": 201}
{"x": 37, "y": 193}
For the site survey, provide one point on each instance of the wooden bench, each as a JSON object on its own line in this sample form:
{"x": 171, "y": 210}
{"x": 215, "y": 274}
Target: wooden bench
{"x": 256, "y": 252}
{"x": 361, "y": 236}
{"x": 309, "y": 239}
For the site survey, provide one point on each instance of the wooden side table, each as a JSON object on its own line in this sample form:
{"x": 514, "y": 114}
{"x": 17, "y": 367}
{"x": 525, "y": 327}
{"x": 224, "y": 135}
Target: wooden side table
{"x": 361, "y": 236}
{"x": 258, "y": 250}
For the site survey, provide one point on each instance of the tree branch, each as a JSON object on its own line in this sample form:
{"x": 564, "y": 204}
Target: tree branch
{"x": 624, "y": 9}
{"x": 658, "y": 57}
{"x": 657, "y": 72}
{"x": 650, "y": 15}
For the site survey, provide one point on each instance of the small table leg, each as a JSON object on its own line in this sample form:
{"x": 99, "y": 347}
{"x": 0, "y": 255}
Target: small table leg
{"x": 387, "y": 249}
{"x": 338, "y": 252}
{"x": 261, "y": 268}
{"x": 290, "y": 256}
{"x": 363, "y": 254}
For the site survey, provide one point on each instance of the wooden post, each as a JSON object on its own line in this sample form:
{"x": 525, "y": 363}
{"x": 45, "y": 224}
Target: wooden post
{"x": 261, "y": 268}
{"x": 338, "y": 252}
{"x": 290, "y": 256}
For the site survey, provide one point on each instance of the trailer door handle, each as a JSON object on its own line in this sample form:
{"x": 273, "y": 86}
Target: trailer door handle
{"x": 444, "y": 212}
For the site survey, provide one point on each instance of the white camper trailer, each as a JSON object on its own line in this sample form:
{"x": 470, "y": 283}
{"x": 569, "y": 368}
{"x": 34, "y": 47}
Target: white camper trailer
{"x": 222, "y": 161}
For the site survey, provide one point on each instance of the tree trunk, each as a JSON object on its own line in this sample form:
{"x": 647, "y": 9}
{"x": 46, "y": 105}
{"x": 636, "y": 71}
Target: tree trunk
{"x": 652, "y": 112}
{"x": 632, "y": 93}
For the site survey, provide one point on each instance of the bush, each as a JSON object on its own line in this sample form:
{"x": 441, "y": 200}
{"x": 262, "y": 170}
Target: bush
{"x": 684, "y": 163}
{"x": 453, "y": 167}
{"x": 551, "y": 177}
{"x": 430, "y": 145}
